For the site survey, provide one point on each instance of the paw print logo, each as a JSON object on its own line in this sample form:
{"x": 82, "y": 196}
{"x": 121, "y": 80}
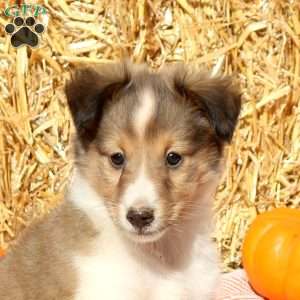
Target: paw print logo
{"x": 24, "y": 32}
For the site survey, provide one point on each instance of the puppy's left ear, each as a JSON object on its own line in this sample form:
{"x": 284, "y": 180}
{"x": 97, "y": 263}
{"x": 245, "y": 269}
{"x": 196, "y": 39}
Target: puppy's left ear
{"x": 217, "y": 98}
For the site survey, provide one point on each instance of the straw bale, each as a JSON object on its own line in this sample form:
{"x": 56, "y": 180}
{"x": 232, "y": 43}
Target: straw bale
{"x": 258, "y": 41}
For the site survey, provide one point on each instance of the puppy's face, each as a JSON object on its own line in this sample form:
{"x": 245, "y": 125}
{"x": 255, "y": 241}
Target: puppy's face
{"x": 150, "y": 144}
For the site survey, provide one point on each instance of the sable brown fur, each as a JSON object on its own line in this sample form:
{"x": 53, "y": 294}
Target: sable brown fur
{"x": 39, "y": 265}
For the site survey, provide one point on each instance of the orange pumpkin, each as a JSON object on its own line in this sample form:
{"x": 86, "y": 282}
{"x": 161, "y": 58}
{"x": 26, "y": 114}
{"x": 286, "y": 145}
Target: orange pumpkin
{"x": 271, "y": 254}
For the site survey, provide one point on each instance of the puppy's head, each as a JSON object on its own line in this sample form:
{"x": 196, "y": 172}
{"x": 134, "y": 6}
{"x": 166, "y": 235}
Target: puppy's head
{"x": 150, "y": 143}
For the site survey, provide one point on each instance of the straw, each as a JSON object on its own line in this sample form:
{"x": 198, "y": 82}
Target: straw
{"x": 257, "y": 41}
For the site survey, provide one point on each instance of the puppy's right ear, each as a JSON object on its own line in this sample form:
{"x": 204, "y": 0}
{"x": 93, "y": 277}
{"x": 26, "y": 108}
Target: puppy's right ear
{"x": 88, "y": 92}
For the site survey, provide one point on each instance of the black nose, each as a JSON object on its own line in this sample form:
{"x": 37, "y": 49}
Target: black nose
{"x": 140, "y": 218}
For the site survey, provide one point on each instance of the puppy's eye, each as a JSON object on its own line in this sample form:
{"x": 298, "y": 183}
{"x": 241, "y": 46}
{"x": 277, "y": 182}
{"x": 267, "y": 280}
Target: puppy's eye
{"x": 117, "y": 160}
{"x": 173, "y": 159}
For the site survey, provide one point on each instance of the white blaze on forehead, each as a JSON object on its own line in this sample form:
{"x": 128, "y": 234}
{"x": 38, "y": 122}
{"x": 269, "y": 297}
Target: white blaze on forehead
{"x": 144, "y": 111}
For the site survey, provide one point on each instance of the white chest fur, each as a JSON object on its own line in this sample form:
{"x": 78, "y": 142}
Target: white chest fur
{"x": 112, "y": 272}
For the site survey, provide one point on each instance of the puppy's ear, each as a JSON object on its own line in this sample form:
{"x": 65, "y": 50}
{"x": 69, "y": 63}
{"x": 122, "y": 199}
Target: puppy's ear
{"x": 88, "y": 91}
{"x": 217, "y": 98}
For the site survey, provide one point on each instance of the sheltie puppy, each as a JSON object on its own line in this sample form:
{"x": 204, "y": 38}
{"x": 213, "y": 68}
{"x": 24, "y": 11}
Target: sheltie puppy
{"x": 135, "y": 223}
